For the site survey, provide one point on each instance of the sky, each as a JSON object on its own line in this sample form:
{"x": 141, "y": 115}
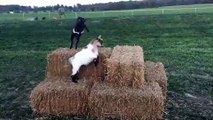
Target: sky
{"x": 53, "y": 2}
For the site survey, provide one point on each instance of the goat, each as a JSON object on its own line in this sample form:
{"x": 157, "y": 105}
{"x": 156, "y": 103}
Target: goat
{"x": 77, "y": 31}
{"x": 85, "y": 56}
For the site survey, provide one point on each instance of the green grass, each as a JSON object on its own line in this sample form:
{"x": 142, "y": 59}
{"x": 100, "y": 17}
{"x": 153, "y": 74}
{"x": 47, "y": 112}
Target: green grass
{"x": 183, "y": 43}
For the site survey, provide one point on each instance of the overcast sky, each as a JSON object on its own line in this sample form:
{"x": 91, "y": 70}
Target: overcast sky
{"x": 53, "y": 2}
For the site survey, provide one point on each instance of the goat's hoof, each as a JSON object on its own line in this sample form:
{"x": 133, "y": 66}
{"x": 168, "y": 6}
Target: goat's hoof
{"x": 75, "y": 81}
{"x": 96, "y": 64}
{"x": 74, "y": 78}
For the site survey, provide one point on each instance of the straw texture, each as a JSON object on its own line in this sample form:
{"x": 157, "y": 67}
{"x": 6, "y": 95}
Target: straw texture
{"x": 125, "y": 67}
{"x": 155, "y": 72}
{"x": 60, "y": 97}
{"x": 59, "y": 66}
{"x": 126, "y": 103}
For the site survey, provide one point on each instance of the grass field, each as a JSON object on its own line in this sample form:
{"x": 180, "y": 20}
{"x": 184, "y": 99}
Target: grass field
{"x": 179, "y": 9}
{"x": 183, "y": 43}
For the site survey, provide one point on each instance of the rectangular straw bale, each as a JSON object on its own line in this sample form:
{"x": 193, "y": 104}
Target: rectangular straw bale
{"x": 126, "y": 48}
{"x": 60, "y": 97}
{"x": 155, "y": 72}
{"x": 116, "y": 50}
{"x": 125, "y": 67}
{"x": 58, "y": 65}
{"x": 57, "y": 62}
{"x": 96, "y": 73}
{"x": 126, "y": 103}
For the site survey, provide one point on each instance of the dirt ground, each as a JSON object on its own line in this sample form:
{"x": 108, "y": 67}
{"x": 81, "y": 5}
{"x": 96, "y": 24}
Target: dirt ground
{"x": 185, "y": 107}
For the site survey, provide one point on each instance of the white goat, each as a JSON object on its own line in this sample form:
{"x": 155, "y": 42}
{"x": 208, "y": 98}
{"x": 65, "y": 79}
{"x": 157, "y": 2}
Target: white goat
{"x": 85, "y": 56}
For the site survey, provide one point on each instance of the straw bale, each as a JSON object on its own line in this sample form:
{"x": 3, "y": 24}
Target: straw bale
{"x": 61, "y": 97}
{"x": 155, "y": 72}
{"x": 106, "y": 52}
{"x": 96, "y": 73}
{"x": 125, "y": 67}
{"x": 125, "y": 49}
{"x": 126, "y": 103}
{"x": 58, "y": 65}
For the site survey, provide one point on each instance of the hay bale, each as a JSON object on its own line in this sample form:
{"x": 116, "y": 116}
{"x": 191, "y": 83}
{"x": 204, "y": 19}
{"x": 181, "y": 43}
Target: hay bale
{"x": 96, "y": 73}
{"x": 58, "y": 65}
{"x": 126, "y": 103}
{"x": 155, "y": 72}
{"x": 60, "y": 97}
{"x": 125, "y": 67}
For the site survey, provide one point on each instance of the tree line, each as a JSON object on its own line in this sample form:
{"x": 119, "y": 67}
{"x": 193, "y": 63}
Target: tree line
{"x": 139, "y": 4}
{"x": 123, "y": 5}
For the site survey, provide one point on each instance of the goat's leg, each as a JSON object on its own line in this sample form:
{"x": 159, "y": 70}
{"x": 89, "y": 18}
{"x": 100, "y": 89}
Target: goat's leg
{"x": 71, "y": 39}
{"x": 77, "y": 40}
{"x": 74, "y": 75}
{"x": 96, "y": 61}
{"x": 74, "y": 78}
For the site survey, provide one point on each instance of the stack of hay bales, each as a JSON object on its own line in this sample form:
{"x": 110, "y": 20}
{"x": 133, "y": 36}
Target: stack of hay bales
{"x": 122, "y": 86}
{"x": 125, "y": 94}
{"x": 57, "y": 95}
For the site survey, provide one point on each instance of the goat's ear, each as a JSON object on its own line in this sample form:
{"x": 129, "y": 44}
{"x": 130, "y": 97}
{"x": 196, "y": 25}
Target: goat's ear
{"x": 99, "y": 37}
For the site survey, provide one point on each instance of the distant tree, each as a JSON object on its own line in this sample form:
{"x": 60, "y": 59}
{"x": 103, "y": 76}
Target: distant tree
{"x": 61, "y": 12}
{"x": 70, "y": 8}
{"x": 57, "y": 6}
{"x": 79, "y": 7}
{"x": 131, "y": 4}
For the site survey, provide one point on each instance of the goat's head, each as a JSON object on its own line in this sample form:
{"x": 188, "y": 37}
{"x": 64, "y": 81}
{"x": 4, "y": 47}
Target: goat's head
{"x": 81, "y": 20}
{"x": 97, "y": 41}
